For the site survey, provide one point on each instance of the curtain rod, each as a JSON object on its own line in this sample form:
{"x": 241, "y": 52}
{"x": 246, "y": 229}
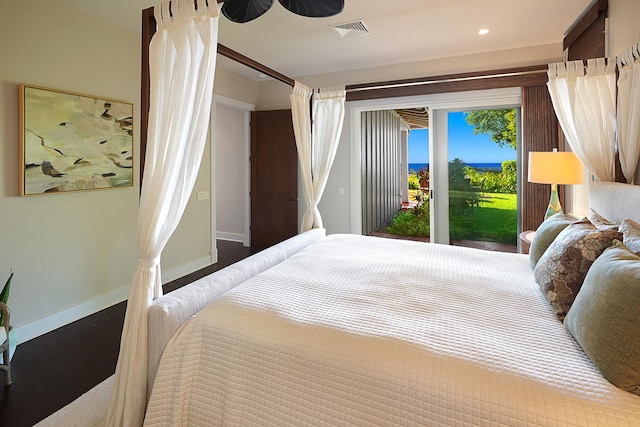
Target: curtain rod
{"x": 244, "y": 60}
{"x": 451, "y": 78}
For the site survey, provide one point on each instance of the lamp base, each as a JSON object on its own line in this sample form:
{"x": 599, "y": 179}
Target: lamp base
{"x": 554, "y": 203}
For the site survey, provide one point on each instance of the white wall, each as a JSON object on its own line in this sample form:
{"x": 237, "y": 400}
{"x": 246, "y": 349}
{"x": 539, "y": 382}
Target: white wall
{"x": 624, "y": 28}
{"x": 74, "y": 254}
{"x": 231, "y": 189}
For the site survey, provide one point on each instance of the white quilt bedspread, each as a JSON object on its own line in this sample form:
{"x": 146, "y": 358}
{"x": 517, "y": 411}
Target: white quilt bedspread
{"x": 357, "y": 331}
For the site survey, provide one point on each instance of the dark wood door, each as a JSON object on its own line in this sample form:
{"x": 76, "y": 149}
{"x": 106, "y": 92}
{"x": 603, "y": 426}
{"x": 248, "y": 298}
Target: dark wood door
{"x": 274, "y": 178}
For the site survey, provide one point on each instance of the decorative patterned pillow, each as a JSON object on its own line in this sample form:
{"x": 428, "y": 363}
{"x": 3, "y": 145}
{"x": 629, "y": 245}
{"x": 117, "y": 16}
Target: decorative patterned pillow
{"x": 562, "y": 268}
{"x": 631, "y": 235}
{"x": 546, "y": 234}
{"x": 604, "y": 316}
{"x": 601, "y": 222}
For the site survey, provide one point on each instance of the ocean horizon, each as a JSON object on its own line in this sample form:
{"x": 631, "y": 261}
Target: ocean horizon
{"x": 495, "y": 167}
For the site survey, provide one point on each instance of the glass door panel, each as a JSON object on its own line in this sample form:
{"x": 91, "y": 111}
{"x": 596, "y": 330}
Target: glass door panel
{"x": 482, "y": 178}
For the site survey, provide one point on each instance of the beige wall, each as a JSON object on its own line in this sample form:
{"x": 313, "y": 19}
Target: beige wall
{"x": 68, "y": 249}
{"x": 74, "y": 254}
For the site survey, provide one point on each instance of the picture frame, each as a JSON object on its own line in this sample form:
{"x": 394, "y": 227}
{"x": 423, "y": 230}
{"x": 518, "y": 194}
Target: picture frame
{"x": 73, "y": 142}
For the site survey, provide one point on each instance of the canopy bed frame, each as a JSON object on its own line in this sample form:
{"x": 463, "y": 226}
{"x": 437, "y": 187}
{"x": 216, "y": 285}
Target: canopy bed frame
{"x": 540, "y": 128}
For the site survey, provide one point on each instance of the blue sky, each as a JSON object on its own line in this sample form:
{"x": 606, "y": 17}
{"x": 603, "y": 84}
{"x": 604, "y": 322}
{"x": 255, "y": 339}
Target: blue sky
{"x": 462, "y": 144}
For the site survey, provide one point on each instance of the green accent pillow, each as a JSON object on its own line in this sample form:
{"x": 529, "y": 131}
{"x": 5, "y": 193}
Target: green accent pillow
{"x": 604, "y": 316}
{"x": 546, "y": 234}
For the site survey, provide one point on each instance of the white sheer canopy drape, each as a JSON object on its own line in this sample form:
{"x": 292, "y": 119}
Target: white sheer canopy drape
{"x": 328, "y": 117}
{"x": 301, "y": 114}
{"x": 586, "y": 109}
{"x": 629, "y": 113}
{"x": 317, "y": 142}
{"x": 182, "y": 58}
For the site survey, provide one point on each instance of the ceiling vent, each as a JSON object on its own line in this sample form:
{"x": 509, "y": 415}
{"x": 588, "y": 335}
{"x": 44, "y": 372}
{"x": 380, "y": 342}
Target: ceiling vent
{"x": 351, "y": 29}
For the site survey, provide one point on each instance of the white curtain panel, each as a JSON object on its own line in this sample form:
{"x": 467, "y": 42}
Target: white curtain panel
{"x": 301, "y": 115}
{"x": 328, "y": 117}
{"x": 317, "y": 138}
{"x": 586, "y": 109}
{"x": 182, "y": 67}
{"x": 629, "y": 113}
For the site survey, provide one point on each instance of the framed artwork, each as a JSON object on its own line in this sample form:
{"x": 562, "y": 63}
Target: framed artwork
{"x": 73, "y": 142}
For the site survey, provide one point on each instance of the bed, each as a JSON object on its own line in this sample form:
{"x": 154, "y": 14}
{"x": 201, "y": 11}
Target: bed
{"x": 356, "y": 330}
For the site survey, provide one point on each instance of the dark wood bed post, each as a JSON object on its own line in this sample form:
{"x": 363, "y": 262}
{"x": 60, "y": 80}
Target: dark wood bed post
{"x": 148, "y": 30}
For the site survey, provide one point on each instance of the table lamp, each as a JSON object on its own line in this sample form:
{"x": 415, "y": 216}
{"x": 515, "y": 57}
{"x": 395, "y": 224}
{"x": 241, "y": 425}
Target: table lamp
{"x": 555, "y": 168}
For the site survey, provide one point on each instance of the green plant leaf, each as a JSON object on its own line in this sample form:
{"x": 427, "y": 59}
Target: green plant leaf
{"x": 4, "y": 295}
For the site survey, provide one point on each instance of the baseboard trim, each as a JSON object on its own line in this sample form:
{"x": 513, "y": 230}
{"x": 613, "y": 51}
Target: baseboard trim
{"x": 232, "y": 237}
{"x": 39, "y": 327}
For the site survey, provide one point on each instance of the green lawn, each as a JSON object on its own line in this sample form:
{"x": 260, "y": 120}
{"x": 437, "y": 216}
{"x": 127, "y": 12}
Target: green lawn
{"x": 495, "y": 220}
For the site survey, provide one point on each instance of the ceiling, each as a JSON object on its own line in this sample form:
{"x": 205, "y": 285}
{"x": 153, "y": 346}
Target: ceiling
{"x": 399, "y": 31}
{"x": 416, "y": 118}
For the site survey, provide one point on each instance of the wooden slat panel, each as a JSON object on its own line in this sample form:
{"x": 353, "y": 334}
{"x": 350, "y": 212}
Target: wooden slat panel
{"x": 590, "y": 44}
{"x": 539, "y": 133}
{"x": 597, "y": 12}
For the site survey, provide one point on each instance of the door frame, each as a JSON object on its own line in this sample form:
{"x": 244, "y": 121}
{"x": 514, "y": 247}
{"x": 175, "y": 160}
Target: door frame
{"x": 246, "y": 109}
{"x": 440, "y": 101}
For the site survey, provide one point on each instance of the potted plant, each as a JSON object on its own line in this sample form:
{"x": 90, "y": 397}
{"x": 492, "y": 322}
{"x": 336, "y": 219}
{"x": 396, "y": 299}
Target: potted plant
{"x": 4, "y": 297}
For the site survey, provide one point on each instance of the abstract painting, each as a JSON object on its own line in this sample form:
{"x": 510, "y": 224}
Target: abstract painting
{"x": 73, "y": 142}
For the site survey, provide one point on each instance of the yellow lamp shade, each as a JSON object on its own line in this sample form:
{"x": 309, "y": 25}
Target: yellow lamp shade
{"x": 555, "y": 167}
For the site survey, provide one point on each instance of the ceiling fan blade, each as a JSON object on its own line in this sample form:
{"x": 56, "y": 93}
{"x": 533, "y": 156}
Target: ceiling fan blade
{"x": 314, "y": 8}
{"x": 242, "y": 11}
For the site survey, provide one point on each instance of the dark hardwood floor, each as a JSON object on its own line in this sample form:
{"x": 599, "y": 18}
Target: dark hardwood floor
{"x": 54, "y": 369}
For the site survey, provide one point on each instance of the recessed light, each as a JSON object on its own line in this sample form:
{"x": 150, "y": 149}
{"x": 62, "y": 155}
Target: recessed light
{"x": 483, "y": 31}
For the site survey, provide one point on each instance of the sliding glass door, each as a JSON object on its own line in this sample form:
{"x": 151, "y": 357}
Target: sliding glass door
{"x": 475, "y": 176}
{"x": 482, "y": 169}
{"x": 439, "y": 106}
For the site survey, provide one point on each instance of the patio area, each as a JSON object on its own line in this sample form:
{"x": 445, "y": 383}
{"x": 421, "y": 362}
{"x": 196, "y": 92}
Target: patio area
{"x": 490, "y": 246}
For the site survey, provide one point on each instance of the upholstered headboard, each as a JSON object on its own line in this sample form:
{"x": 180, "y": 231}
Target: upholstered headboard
{"x": 615, "y": 201}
